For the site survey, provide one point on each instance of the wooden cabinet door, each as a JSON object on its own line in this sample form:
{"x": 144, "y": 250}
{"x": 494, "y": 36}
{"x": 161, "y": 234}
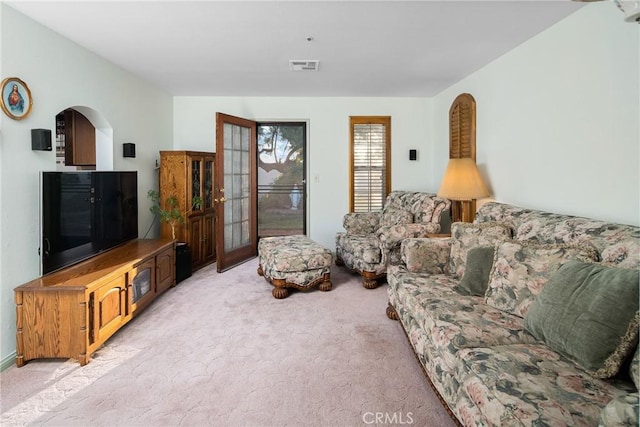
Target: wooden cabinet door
{"x": 80, "y": 135}
{"x": 209, "y": 243}
{"x": 142, "y": 285}
{"x": 165, "y": 270}
{"x": 187, "y": 175}
{"x": 195, "y": 240}
{"x": 108, "y": 310}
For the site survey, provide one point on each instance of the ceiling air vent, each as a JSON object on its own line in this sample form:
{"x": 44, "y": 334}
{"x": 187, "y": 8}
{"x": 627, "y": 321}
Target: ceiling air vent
{"x": 303, "y": 64}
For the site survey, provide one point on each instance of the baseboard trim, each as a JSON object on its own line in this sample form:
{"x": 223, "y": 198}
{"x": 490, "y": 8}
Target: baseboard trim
{"x": 8, "y": 361}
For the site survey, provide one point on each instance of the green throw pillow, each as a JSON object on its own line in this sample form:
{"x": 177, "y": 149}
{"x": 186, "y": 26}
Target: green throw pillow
{"x": 588, "y": 313}
{"x": 476, "y": 272}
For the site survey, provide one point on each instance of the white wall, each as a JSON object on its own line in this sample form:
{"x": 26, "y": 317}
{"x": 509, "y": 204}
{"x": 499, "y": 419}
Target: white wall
{"x": 558, "y": 119}
{"x": 328, "y": 145}
{"x": 61, "y": 74}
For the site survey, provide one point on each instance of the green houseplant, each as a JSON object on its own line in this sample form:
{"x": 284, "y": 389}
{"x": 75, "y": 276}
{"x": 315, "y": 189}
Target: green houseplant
{"x": 171, "y": 212}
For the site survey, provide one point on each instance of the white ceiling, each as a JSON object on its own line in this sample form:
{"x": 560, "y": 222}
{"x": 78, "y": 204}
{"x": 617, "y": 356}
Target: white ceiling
{"x": 243, "y": 48}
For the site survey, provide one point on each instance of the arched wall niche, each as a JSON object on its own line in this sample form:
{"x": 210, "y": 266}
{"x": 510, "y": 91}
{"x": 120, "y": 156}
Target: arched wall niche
{"x": 104, "y": 136}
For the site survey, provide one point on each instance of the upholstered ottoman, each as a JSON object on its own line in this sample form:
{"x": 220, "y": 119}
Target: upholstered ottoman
{"x": 294, "y": 262}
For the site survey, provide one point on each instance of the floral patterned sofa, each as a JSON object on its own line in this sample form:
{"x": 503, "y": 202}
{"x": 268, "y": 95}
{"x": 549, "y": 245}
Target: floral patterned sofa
{"x": 525, "y": 317}
{"x": 371, "y": 240}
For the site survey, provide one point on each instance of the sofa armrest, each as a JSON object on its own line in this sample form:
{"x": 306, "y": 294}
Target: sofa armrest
{"x": 392, "y": 236}
{"x": 426, "y": 255}
{"x": 361, "y": 222}
{"x": 621, "y": 411}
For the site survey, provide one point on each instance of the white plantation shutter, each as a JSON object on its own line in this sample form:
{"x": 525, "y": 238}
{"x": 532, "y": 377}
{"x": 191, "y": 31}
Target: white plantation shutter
{"x": 370, "y": 161}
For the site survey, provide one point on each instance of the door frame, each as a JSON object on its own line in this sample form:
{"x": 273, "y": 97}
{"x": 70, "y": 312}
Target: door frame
{"x": 229, "y": 259}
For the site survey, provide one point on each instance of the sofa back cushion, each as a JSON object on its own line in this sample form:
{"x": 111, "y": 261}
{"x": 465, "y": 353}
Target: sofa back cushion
{"x": 619, "y": 242}
{"x": 625, "y": 254}
{"x": 466, "y": 236}
{"x": 521, "y": 269}
{"x": 425, "y": 207}
{"x": 392, "y": 215}
{"x": 589, "y": 313}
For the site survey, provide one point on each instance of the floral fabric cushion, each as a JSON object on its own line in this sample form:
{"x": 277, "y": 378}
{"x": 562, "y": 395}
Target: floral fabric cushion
{"x": 462, "y": 322}
{"x": 300, "y": 278}
{"x": 532, "y": 385}
{"x": 427, "y": 255}
{"x": 521, "y": 269}
{"x": 295, "y": 259}
{"x": 588, "y": 313}
{"x": 548, "y": 227}
{"x": 392, "y": 216}
{"x": 624, "y": 254}
{"x": 293, "y": 254}
{"x": 465, "y": 236}
{"x": 393, "y": 235}
{"x": 634, "y": 369}
{"x": 355, "y": 249}
{"x": 361, "y": 222}
{"x": 621, "y": 411}
{"x": 414, "y": 288}
{"x": 425, "y": 207}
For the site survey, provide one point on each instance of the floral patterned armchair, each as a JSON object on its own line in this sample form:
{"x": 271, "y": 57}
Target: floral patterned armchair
{"x": 372, "y": 240}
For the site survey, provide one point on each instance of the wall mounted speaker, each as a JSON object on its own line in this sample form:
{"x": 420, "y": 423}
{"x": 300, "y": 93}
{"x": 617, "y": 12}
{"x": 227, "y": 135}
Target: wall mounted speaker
{"x": 128, "y": 150}
{"x": 41, "y": 139}
{"x": 413, "y": 154}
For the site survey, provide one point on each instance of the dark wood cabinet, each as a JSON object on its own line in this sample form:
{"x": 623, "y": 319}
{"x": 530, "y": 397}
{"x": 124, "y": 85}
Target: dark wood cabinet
{"x": 80, "y": 139}
{"x": 189, "y": 176}
{"x": 73, "y": 311}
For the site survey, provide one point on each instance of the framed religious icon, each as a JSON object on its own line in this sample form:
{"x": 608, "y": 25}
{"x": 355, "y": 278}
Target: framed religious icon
{"x": 16, "y": 98}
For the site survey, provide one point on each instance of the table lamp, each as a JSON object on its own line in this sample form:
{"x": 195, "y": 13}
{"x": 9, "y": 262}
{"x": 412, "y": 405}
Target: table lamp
{"x": 462, "y": 182}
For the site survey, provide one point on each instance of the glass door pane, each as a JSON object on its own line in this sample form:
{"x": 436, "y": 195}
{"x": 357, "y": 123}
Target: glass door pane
{"x": 281, "y": 179}
{"x": 236, "y": 187}
{"x": 208, "y": 184}
{"x": 196, "y": 185}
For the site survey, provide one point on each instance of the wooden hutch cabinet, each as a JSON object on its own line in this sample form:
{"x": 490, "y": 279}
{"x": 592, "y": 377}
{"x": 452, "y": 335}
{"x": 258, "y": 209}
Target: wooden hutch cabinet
{"x": 73, "y": 311}
{"x": 186, "y": 175}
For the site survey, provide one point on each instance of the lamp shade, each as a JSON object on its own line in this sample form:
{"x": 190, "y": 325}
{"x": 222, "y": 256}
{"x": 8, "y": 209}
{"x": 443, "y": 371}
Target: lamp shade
{"x": 462, "y": 181}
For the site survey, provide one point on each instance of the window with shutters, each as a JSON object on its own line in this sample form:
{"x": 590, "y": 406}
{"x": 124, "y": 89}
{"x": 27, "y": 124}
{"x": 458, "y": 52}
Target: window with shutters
{"x": 462, "y": 138}
{"x": 370, "y": 165}
{"x": 462, "y": 127}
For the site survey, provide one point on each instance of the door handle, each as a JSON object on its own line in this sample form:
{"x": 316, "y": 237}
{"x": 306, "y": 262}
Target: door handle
{"x": 222, "y": 199}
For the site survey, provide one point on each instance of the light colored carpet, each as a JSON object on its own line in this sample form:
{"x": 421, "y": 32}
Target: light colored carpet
{"x": 219, "y": 350}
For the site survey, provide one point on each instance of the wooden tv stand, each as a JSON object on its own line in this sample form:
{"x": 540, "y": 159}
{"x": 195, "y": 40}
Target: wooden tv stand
{"x": 70, "y": 313}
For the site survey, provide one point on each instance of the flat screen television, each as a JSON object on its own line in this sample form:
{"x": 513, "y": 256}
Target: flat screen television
{"x": 85, "y": 213}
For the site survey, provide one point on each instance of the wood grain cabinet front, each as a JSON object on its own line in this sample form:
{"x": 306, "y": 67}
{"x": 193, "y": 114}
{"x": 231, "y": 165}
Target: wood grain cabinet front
{"x": 80, "y": 146}
{"x": 108, "y": 311}
{"x": 72, "y": 312}
{"x": 189, "y": 177}
{"x": 165, "y": 270}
